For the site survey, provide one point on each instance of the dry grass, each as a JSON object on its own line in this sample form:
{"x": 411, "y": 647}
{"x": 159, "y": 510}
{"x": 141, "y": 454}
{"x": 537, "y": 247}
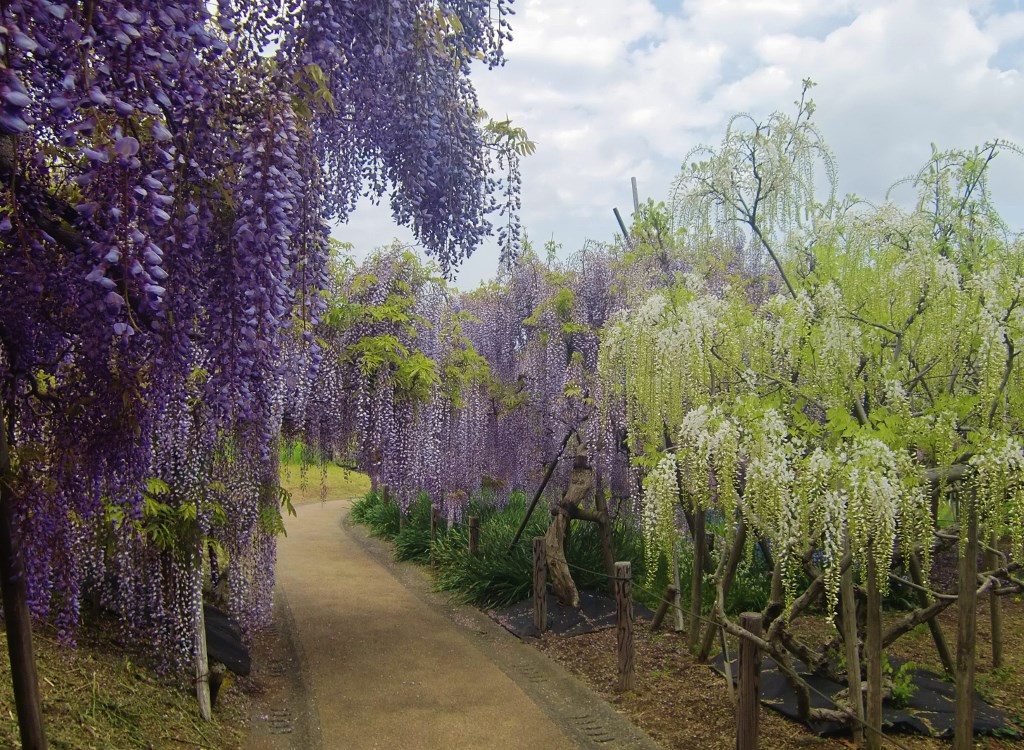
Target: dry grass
{"x": 103, "y": 696}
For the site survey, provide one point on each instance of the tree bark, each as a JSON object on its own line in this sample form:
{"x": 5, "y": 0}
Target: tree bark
{"x": 852, "y": 643}
{"x": 995, "y": 604}
{"x": 696, "y": 578}
{"x": 607, "y": 542}
{"x": 24, "y": 678}
{"x": 963, "y": 728}
{"x": 873, "y": 656}
{"x": 562, "y": 585}
{"x": 581, "y": 486}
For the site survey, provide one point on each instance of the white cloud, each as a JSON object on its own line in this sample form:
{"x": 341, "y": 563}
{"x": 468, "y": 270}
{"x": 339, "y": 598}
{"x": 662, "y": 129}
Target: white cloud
{"x": 610, "y": 90}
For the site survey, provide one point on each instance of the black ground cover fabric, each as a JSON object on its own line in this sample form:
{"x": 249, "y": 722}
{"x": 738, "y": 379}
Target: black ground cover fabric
{"x": 596, "y": 612}
{"x": 930, "y": 711}
{"x": 224, "y": 641}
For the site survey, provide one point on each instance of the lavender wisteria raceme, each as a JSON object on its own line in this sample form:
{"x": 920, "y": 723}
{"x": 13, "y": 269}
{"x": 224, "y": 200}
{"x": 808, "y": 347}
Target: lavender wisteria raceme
{"x": 168, "y": 171}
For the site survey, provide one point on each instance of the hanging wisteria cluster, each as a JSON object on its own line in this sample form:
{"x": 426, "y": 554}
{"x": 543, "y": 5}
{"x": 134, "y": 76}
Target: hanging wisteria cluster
{"x": 463, "y": 396}
{"x": 826, "y": 414}
{"x": 168, "y": 171}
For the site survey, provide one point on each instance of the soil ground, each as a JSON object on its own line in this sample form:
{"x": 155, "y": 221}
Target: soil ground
{"x": 683, "y": 704}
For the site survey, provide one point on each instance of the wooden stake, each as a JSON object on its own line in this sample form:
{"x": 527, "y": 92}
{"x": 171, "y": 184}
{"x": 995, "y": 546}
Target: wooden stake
{"x": 25, "y": 681}
{"x": 748, "y": 706}
{"x": 474, "y": 535}
{"x": 540, "y": 584}
{"x": 963, "y": 728}
{"x": 624, "y": 619}
{"x": 939, "y": 638}
{"x": 852, "y": 643}
{"x": 995, "y": 603}
{"x": 202, "y": 667}
{"x": 677, "y": 603}
{"x": 873, "y": 656}
{"x": 696, "y": 579}
{"x": 540, "y": 490}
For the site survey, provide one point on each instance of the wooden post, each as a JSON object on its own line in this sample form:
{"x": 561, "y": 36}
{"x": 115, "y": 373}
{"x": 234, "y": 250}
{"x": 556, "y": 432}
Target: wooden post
{"x": 677, "y": 603}
{"x": 434, "y": 523}
{"x": 873, "y": 656}
{"x": 25, "y": 681}
{"x": 671, "y": 593}
{"x": 540, "y": 584}
{"x": 963, "y": 728}
{"x": 696, "y": 579}
{"x": 852, "y": 643}
{"x": 624, "y": 618}
{"x": 748, "y": 706}
{"x": 995, "y": 603}
{"x": 474, "y": 535}
{"x": 202, "y": 667}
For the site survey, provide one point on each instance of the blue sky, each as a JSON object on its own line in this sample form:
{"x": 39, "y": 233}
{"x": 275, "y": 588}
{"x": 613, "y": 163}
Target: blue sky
{"x": 611, "y": 89}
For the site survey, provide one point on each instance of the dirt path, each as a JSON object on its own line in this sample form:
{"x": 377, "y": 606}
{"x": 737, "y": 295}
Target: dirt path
{"x": 364, "y": 655}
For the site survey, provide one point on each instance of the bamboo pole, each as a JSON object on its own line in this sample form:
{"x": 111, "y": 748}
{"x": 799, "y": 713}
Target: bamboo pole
{"x": 540, "y": 491}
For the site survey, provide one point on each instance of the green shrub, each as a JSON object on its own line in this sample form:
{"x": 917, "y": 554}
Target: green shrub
{"x": 383, "y": 518}
{"x": 412, "y": 543}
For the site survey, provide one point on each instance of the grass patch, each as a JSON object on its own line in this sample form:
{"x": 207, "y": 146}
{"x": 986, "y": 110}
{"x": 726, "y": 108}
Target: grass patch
{"x": 99, "y": 695}
{"x": 309, "y": 481}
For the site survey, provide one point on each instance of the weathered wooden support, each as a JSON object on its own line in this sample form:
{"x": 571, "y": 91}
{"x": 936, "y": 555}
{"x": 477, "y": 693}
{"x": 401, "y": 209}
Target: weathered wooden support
{"x": 748, "y": 706}
{"x": 848, "y": 602}
{"x": 474, "y": 535}
{"x": 696, "y": 578}
{"x": 540, "y": 584}
{"x": 540, "y": 491}
{"x": 202, "y": 667}
{"x": 677, "y": 604}
{"x": 624, "y": 620}
{"x": 963, "y": 726}
{"x": 934, "y": 626}
{"x": 995, "y": 603}
{"x": 24, "y": 678}
{"x": 666, "y": 601}
{"x": 873, "y": 655}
